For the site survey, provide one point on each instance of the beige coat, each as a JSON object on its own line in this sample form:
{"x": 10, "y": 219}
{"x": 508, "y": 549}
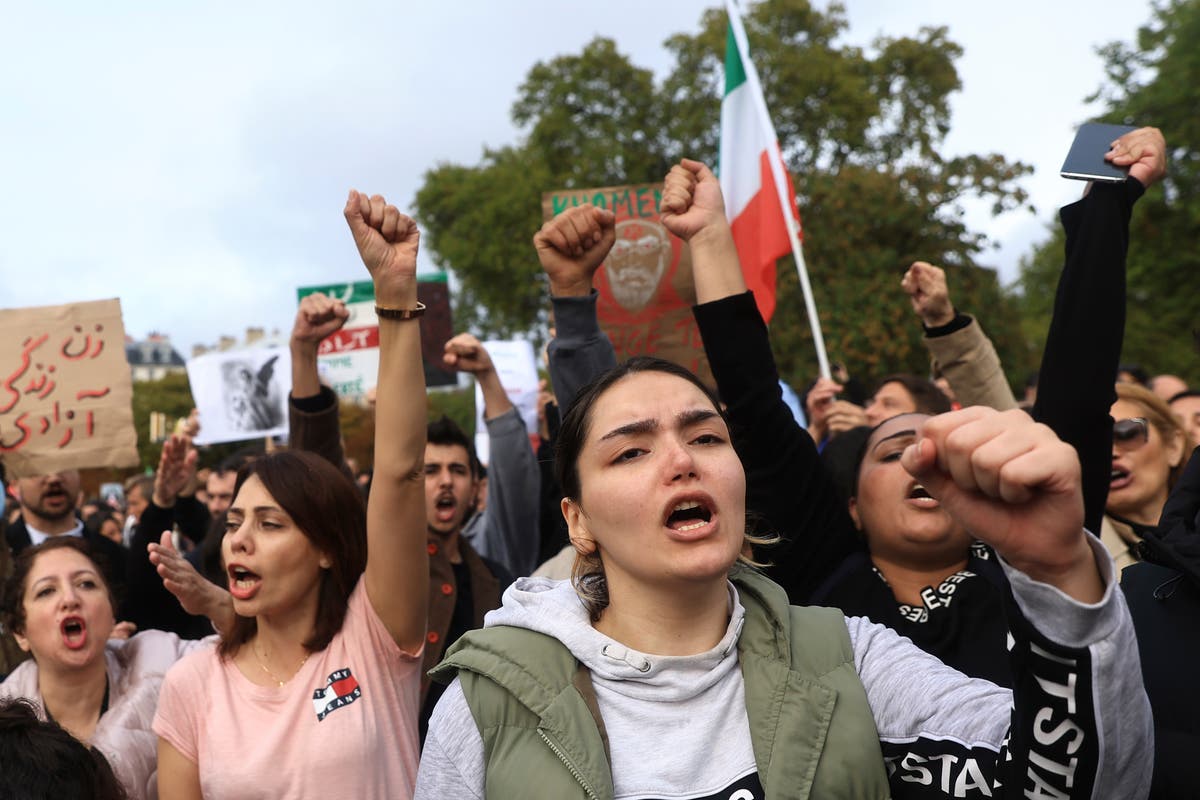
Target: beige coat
{"x": 969, "y": 361}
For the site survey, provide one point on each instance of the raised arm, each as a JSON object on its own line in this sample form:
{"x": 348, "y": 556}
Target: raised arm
{"x": 397, "y": 574}
{"x": 1083, "y": 345}
{"x": 571, "y": 247}
{"x": 313, "y": 423}
{"x": 956, "y": 343}
{"x": 1077, "y": 723}
{"x": 785, "y": 480}
{"x": 170, "y": 606}
{"x": 508, "y": 531}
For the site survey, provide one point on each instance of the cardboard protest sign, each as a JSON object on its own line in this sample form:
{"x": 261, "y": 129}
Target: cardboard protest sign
{"x": 349, "y": 359}
{"x": 645, "y": 285}
{"x": 65, "y": 389}
{"x": 517, "y": 368}
{"x": 241, "y": 394}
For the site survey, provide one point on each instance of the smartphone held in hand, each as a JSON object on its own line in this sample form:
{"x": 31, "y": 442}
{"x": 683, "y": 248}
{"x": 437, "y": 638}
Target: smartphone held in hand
{"x": 1085, "y": 160}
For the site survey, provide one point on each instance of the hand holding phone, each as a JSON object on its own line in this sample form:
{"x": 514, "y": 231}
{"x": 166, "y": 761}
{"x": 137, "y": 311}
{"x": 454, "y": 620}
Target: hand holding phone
{"x": 1085, "y": 160}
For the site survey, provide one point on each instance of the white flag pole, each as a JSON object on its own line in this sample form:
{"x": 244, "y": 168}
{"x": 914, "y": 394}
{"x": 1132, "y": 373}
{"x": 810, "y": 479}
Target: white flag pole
{"x": 774, "y": 158}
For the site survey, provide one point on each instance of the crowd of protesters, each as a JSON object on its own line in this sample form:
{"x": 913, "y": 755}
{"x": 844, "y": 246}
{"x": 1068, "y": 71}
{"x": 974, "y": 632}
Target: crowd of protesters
{"x": 925, "y": 590}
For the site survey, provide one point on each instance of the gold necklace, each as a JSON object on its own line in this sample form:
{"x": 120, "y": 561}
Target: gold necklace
{"x": 272, "y": 675}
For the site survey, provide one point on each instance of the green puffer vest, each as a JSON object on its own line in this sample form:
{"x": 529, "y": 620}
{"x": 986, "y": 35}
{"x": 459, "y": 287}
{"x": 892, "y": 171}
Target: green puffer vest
{"x": 811, "y": 727}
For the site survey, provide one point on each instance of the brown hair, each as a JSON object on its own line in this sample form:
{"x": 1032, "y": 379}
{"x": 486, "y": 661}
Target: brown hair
{"x": 328, "y": 509}
{"x": 926, "y": 396}
{"x": 1158, "y": 414}
{"x": 12, "y": 610}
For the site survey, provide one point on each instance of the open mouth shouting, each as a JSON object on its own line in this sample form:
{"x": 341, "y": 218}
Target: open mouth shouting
{"x": 445, "y": 507}
{"x": 690, "y": 518}
{"x": 74, "y": 632}
{"x": 243, "y": 584}
{"x": 55, "y": 497}
{"x": 920, "y": 497}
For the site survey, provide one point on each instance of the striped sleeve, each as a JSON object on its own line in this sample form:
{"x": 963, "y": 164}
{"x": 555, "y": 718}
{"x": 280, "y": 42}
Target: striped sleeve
{"x": 1077, "y": 723}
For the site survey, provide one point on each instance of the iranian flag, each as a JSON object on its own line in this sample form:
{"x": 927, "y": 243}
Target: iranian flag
{"x": 752, "y": 197}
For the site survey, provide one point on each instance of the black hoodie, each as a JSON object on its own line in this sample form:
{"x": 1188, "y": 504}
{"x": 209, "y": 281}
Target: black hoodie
{"x": 1163, "y": 592}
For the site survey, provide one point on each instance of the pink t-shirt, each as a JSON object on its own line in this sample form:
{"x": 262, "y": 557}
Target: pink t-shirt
{"x": 344, "y": 727}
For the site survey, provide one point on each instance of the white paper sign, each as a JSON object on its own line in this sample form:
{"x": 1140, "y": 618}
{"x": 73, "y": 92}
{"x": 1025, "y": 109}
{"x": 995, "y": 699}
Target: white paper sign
{"x": 348, "y": 361}
{"x": 241, "y": 394}
{"x": 517, "y": 368}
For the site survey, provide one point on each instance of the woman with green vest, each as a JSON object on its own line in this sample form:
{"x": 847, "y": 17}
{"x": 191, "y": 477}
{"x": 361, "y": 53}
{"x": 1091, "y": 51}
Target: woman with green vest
{"x": 668, "y": 667}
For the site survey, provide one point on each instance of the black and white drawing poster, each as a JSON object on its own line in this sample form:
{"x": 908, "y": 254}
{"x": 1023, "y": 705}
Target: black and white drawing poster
{"x": 241, "y": 394}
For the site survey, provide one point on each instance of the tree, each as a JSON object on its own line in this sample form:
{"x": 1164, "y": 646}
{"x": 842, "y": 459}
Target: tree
{"x": 1155, "y": 81}
{"x": 860, "y": 132}
{"x": 170, "y": 395}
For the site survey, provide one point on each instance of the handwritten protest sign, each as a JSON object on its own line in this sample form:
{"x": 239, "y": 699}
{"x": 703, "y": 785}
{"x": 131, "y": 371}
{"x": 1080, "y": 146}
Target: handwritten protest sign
{"x": 645, "y": 285}
{"x": 241, "y": 394}
{"x": 349, "y": 359}
{"x": 65, "y": 389}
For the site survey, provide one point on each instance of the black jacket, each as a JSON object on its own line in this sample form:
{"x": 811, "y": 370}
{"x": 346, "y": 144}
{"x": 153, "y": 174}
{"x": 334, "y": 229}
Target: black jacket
{"x": 1163, "y": 593}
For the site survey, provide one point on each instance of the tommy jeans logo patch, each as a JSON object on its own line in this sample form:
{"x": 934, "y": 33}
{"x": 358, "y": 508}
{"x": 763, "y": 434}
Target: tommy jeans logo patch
{"x": 341, "y": 689}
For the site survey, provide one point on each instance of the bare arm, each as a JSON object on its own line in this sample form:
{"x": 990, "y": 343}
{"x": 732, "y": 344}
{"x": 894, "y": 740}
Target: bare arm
{"x": 693, "y": 210}
{"x": 397, "y": 574}
{"x": 178, "y": 777}
{"x": 196, "y": 594}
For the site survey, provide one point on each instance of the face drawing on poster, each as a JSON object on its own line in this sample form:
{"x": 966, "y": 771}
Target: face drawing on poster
{"x": 253, "y": 399}
{"x": 637, "y": 262}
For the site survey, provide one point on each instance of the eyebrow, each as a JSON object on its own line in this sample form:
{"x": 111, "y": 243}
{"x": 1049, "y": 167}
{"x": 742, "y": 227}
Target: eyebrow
{"x": 683, "y": 419}
{"x": 72, "y": 576}
{"x": 256, "y": 509}
{"x": 896, "y": 435}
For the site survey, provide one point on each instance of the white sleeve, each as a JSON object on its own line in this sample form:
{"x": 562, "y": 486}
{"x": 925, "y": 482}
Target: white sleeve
{"x": 452, "y": 760}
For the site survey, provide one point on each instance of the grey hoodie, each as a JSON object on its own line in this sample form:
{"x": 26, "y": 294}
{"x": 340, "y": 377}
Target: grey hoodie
{"x": 1076, "y": 725}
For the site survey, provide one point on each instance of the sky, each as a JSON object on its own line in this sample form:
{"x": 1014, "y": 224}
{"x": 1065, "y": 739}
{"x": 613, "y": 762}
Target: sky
{"x": 193, "y": 158}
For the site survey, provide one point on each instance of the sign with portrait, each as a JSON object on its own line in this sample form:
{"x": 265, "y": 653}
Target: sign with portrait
{"x": 65, "y": 389}
{"x": 645, "y": 285}
{"x": 241, "y": 394}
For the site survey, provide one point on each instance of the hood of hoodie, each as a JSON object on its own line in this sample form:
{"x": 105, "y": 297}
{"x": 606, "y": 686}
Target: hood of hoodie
{"x": 552, "y": 608}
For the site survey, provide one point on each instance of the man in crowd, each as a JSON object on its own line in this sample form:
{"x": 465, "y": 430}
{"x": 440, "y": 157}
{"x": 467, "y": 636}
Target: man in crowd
{"x": 48, "y": 509}
{"x": 219, "y": 487}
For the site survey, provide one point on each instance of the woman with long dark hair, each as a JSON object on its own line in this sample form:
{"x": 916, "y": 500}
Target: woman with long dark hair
{"x": 667, "y": 669}
{"x": 314, "y": 691}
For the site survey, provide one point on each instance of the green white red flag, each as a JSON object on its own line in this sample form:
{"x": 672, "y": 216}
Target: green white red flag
{"x": 759, "y": 198}
{"x": 751, "y": 195}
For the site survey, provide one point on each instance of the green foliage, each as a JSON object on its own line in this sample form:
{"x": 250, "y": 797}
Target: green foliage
{"x": 860, "y": 131}
{"x": 358, "y": 422}
{"x": 1154, "y": 81}
{"x": 171, "y": 395}
{"x": 458, "y": 405}
{"x": 358, "y": 433}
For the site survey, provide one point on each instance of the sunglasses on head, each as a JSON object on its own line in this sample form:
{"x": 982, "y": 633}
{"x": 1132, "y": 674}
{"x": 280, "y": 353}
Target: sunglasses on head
{"x": 1131, "y": 433}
